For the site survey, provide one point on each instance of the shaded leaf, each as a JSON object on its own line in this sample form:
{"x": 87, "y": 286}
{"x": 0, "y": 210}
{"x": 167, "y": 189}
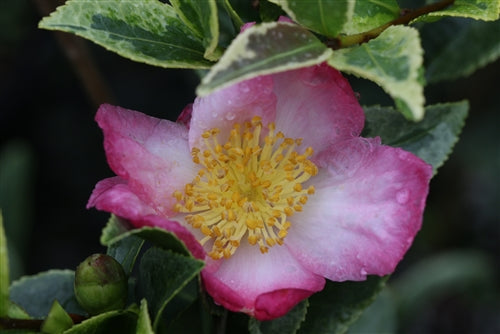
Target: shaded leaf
{"x": 146, "y": 31}
{"x": 36, "y": 293}
{"x": 475, "y": 46}
{"x": 201, "y": 18}
{"x": 4, "y": 272}
{"x": 393, "y": 60}
{"x": 432, "y": 139}
{"x": 287, "y": 324}
{"x": 335, "y": 308}
{"x": 263, "y": 49}
{"x": 114, "y": 322}
{"x": 163, "y": 274}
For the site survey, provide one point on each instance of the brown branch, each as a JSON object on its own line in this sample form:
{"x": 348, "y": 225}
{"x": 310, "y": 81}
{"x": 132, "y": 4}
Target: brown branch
{"x": 35, "y": 324}
{"x": 77, "y": 52}
{"x": 406, "y": 17}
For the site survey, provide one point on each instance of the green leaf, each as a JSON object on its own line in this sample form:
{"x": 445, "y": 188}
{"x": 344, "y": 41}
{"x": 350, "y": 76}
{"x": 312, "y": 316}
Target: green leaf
{"x": 4, "y": 272}
{"x": 432, "y": 139}
{"x": 475, "y": 46}
{"x": 339, "y": 305}
{"x": 16, "y": 200}
{"x": 263, "y": 49}
{"x": 57, "y": 320}
{"x": 287, "y": 324}
{"x": 146, "y": 31}
{"x": 201, "y": 18}
{"x": 369, "y": 14}
{"x": 163, "y": 274}
{"x": 487, "y": 10}
{"x": 393, "y": 60}
{"x": 268, "y": 11}
{"x": 113, "y": 322}
{"x": 144, "y": 322}
{"x": 124, "y": 244}
{"x": 326, "y": 17}
{"x": 114, "y": 227}
{"x": 35, "y": 294}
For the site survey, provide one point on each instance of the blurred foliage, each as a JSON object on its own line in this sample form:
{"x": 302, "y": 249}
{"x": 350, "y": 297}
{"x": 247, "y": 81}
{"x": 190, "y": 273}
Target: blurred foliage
{"x": 51, "y": 156}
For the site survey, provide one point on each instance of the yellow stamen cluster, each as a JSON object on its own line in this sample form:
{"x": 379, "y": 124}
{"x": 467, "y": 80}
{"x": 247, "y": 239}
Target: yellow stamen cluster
{"x": 247, "y": 187}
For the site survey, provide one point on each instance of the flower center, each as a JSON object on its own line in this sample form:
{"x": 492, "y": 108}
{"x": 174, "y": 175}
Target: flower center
{"x": 247, "y": 187}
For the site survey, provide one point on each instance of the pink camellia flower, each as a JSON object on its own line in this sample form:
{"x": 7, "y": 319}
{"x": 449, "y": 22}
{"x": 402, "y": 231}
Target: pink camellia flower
{"x": 269, "y": 182}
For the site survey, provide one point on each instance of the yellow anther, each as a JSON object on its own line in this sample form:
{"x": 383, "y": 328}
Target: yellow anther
{"x": 246, "y": 187}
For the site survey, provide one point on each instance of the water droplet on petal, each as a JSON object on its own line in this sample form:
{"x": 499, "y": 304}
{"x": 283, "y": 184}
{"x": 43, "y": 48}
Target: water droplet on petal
{"x": 230, "y": 116}
{"x": 402, "y": 196}
{"x": 363, "y": 272}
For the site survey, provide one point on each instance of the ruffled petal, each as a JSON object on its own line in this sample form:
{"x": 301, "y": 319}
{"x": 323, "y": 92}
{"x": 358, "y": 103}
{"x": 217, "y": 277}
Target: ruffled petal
{"x": 317, "y": 104}
{"x": 235, "y": 104}
{"x": 257, "y": 283}
{"x": 151, "y": 154}
{"x": 114, "y": 195}
{"x": 366, "y": 211}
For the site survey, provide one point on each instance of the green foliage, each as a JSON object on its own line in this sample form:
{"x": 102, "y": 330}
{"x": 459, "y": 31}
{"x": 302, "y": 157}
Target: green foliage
{"x": 113, "y": 322}
{"x": 144, "y": 322}
{"x": 324, "y": 17}
{"x": 335, "y": 308}
{"x": 35, "y": 294}
{"x": 162, "y": 275}
{"x": 263, "y": 49}
{"x": 465, "y": 51}
{"x": 432, "y": 139}
{"x": 146, "y": 31}
{"x": 369, "y": 14}
{"x": 487, "y": 10}
{"x": 57, "y": 321}
{"x": 287, "y": 324}
{"x": 201, "y": 18}
{"x": 393, "y": 60}
{"x": 4, "y": 271}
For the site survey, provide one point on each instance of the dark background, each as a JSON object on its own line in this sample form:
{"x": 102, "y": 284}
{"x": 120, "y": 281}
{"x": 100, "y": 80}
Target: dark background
{"x": 51, "y": 157}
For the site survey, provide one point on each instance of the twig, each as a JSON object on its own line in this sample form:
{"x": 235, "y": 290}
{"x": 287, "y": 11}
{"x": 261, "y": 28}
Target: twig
{"x": 77, "y": 52}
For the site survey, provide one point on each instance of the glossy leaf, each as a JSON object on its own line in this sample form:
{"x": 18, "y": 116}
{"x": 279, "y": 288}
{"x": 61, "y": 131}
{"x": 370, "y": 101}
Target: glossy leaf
{"x": 475, "y": 46}
{"x": 393, "y": 60}
{"x": 369, "y": 14}
{"x": 287, "y": 324}
{"x": 326, "y": 17}
{"x": 145, "y": 31}
{"x": 4, "y": 271}
{"x": 487, "y": 10}
{"x": 57, "y": 320}
{"x": 339, "y": 305}
{"x": 114, "y": 322}
{"x": 163, "y": 274}
{"x": 36, "y": 293}
{"x": 201, "y": 18}
{"x": 263, "y": 49}
{"x": 432, "y": 139}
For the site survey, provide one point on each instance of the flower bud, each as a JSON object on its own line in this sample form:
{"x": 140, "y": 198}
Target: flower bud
{"x": 100, "y": 284}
